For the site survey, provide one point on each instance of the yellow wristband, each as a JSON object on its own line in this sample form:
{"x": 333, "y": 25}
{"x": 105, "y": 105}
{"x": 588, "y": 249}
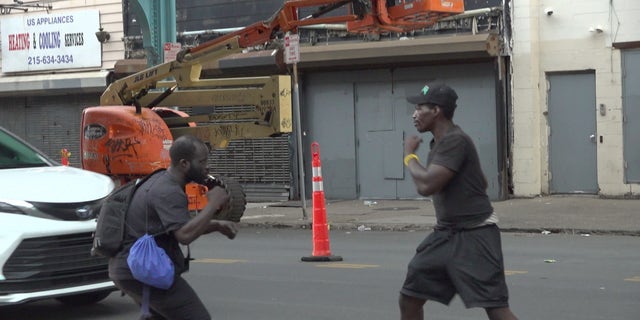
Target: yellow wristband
{"x": 408, "y": 158}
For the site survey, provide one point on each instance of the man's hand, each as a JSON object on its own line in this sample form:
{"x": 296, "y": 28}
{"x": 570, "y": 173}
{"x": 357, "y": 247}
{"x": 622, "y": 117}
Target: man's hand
{"x": 218, "y": 197}
{"x": 228, "y": 228}
{"x": 411, "y": 144}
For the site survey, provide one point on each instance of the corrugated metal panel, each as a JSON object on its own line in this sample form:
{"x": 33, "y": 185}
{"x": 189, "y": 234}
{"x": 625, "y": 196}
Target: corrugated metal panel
{"x": 12, "y": 115}
{"x": 262, "y": 166}
{"x": 53, "y": 123}
{"x": 266, "y": 192}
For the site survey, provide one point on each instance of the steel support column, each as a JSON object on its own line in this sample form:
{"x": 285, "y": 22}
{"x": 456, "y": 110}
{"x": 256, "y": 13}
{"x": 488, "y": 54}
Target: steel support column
{"x": 158, "y": 24}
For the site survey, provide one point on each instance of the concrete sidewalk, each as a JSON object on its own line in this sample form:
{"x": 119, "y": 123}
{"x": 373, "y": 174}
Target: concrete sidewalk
{"x": 556, "y": 214}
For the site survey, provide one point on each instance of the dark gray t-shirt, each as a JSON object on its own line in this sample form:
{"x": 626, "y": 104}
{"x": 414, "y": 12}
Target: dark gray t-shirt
{"x": 159, "y": 207}
{"x": 463, "y": 202}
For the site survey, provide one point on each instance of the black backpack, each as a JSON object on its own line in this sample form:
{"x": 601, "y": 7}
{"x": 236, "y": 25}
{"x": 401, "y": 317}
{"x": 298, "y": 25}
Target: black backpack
{"x": 108, "y": 239}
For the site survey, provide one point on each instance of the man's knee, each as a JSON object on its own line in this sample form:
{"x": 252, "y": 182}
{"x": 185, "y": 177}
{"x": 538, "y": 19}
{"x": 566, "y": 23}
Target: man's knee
{"x": 410, "y": 303}
{"x": 503, "y": 313}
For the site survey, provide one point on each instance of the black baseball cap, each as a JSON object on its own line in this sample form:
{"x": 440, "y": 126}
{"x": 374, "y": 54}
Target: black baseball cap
{"x": 438, "y": 94}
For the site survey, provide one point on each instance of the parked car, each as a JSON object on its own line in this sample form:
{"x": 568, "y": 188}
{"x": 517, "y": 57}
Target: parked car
{"x": 47, "y": 218}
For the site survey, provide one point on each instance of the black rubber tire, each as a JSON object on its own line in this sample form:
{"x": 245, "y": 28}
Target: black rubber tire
{"x": 83, "y": 299}
{"x": 238, "y": 202}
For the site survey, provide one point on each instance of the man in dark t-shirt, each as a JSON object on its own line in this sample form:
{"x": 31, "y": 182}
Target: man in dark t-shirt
{"x": 463, "y": 255}
{"x": 160, "y": 208}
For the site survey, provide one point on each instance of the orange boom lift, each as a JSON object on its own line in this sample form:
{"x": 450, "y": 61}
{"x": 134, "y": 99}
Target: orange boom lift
{"x": 129, "y": 134}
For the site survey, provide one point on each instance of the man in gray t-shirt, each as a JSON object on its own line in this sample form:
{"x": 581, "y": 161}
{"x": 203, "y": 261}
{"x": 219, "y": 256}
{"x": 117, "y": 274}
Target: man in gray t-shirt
{"x": 463, "y": 255}
{"x": 160, "y": 207}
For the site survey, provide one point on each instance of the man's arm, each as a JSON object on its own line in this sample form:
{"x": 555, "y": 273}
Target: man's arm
{"x": 429, "y": 180}
{"x": 202, "y": 223}
{"x": 228, "y": 228}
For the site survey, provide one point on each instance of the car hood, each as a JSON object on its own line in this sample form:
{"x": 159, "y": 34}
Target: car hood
{"x": 59, "y": 184}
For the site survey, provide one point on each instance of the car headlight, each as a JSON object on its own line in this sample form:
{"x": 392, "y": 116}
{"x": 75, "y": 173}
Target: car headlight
{"x": 15, "y": 206}
{"x": 56, "y": 211}
{"x": 66, "y": 211}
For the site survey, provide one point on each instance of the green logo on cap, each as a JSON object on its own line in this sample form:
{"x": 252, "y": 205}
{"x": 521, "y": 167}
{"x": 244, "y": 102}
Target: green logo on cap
{"x": 425, "y": 90}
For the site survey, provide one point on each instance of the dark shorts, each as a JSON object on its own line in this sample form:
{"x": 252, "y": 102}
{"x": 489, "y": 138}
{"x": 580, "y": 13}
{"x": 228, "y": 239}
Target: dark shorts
{"x": 467, "y": 262}
{"x": 178, "y": 302}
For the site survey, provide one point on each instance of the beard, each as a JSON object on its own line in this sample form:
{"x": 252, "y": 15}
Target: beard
{"x": 196, "y": 175}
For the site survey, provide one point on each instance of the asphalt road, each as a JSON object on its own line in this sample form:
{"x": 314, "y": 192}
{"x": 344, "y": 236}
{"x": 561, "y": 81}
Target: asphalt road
{"x": 259, "y": 275}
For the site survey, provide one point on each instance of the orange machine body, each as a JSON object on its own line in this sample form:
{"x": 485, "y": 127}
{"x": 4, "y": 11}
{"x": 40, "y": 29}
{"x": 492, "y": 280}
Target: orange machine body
{"x": 405, "y": 15}
{"x": 126, "y": 145}
{"x": 121, "y": 143}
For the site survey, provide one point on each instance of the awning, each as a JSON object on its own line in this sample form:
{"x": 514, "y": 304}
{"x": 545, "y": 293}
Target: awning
{"x": 76, "y": 82}
{"x": 449, "y": 48}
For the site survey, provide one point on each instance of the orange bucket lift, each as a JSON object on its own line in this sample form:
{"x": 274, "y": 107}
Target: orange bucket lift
{"x": 404, "y": 15}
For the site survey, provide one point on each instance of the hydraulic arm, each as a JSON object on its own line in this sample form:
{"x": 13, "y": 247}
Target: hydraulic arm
{"x": 129, "y": 134}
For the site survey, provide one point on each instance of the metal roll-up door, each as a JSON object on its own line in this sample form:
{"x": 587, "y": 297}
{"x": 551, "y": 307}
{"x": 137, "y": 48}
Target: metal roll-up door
{"x": 12, "y": 115}
{"x": 52, "y": 123}
{"x": 361, "y": 117}
{"x": 262, "y": 166}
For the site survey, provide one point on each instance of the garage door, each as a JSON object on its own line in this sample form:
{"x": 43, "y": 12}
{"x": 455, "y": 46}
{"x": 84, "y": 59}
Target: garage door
{"x": 360, "y": 119}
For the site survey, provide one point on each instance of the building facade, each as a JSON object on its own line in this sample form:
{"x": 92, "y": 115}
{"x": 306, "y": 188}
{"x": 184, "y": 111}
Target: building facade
{"x": 48, "y": 80}
{"x": 575, "y": 106}
{"x": 548, "y": 91}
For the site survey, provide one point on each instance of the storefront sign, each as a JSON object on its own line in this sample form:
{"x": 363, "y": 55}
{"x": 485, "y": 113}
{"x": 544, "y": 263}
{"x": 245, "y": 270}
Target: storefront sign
{"x": 171, "y": 50}
{"x": 49, "y": 41}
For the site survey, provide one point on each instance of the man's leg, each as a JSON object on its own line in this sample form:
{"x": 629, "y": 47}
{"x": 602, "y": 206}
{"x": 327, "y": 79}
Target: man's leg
{"x": 500, "y": 314}
{"x": 178, "y": 302}
{"x": 411, "y": 307}
{"x": 129, "y": 288}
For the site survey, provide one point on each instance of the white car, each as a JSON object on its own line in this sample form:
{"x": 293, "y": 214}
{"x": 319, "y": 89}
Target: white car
{"x": 47, "y": 218}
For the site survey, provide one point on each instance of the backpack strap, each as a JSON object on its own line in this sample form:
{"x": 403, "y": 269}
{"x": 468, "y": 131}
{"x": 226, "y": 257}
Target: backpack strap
{"x": 187, "y": 259}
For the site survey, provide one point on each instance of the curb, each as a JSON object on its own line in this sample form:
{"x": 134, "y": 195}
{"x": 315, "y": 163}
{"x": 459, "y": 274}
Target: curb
{"x": 348, "y": 226}
{"x": 572, "y": 231}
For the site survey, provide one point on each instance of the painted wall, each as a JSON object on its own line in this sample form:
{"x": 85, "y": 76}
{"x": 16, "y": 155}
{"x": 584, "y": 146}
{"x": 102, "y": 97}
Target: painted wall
{"x": 568, "y": 40}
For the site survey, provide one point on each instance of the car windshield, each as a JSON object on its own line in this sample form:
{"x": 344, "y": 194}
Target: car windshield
{"x": 14, "y": 153}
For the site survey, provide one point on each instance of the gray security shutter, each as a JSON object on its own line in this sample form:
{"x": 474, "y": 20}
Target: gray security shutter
{"x": 262, "y": 166}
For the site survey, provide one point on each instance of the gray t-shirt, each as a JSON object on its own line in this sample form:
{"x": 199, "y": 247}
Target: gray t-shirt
{"x": 463, "y": 202}
{"x": 158, "y": 207}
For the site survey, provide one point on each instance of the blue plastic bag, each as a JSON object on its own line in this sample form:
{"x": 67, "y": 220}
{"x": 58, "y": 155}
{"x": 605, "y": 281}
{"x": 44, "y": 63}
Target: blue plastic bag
{"x": 150, "y": 264}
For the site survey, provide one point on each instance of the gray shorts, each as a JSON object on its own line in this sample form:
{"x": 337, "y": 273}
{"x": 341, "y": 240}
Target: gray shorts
{"x": 467, "y": 262}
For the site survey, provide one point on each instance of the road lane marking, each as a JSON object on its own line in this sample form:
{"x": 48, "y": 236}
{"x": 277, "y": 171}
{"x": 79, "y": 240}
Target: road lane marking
{"x": 258, "y": 216}
{"x": 222, "y": 261}
{"x": 633, "y": 279}
{"x": 347, "y": 266}
{"x": 512, "y": 272}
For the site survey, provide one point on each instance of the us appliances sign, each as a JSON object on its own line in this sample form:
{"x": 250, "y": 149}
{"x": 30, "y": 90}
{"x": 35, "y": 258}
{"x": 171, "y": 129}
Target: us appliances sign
{"x": 41, "y": 41}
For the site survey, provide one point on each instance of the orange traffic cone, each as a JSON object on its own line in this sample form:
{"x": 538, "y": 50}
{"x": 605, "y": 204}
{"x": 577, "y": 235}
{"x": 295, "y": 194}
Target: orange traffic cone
{"x": 321, "y": 247}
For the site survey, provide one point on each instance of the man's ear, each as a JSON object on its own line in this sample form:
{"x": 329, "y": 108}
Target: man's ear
{"x": 184, "y": 164}
{"x": 436, "y": 110}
